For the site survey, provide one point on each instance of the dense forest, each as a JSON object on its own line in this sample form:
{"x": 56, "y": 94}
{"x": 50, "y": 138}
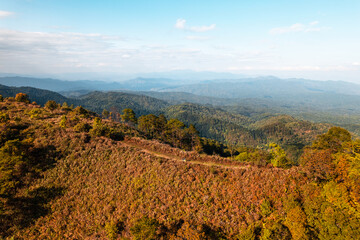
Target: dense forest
{"x": 67, "y": 172}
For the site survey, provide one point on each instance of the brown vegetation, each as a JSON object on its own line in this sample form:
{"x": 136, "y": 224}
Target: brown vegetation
{"x": 83, "y": 183}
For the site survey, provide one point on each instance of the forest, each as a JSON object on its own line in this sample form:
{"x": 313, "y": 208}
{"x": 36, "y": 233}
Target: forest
{"x": 68, "y": 172}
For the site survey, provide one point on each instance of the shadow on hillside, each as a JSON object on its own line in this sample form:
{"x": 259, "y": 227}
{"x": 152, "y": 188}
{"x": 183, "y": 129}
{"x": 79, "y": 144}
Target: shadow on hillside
{"x": 23, "y": 211}
{"x": 44, "y": 158}
{"x": 18, "y": 211}
{"x": 28, "y": 209}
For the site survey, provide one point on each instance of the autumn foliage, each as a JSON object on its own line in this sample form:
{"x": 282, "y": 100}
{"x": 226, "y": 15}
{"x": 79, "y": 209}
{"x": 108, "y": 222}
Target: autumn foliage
{"x": 64, "y": 174}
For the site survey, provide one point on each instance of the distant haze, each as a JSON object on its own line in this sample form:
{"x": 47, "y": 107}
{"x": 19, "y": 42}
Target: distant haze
{"x": 120, "y": 40}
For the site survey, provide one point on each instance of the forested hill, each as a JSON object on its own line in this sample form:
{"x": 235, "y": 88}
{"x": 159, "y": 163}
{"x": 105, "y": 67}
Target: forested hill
{"x": 261, "y": 129}
{"x": 117, "y": 101}
{"x": 95, "y": 101}
{"x": 66, "y": 173}
{"x": 58, "y": 85}
{"x": 39, "y": 95}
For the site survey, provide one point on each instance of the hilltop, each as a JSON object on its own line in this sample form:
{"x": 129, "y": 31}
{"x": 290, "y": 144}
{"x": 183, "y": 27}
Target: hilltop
{"x": 66, "y": 173}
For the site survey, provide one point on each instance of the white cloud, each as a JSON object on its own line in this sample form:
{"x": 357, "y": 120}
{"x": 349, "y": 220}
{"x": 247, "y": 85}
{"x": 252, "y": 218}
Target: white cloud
{"x": 36, "y": 52}
{"x": 181, "y": 24}
{"x": 4, "y": 14}
{"x": 356, "y": 63}
{"x": 297, "y": 27}
{"x": 314, "y": 23}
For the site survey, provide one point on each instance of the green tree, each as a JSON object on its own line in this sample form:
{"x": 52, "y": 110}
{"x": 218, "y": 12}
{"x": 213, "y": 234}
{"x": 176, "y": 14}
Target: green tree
{"x": 147, "y": 124}
{"x": 129, "y": 116}
{"x": 278, "y": 156}
{"x": 333, "y": 139}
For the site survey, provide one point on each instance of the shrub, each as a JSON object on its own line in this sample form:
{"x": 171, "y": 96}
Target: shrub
{"x": 4, "y": 117}
{"x": 51, "y": 105}
{"x": 82, "y": 111}
{"x": 1, "y": 98}
{"x": 112, "y": 230}
{"x": 63, "y": 121}
{"x": 265, "y": 208}
{"x": 35, "y": 113}
{"x": 65, "y": 106}
{"x": 82, "y": 127}
{"x": 22, "y": 97}
{"x": 145, "y": 228}
{"x": 115, "y": 134}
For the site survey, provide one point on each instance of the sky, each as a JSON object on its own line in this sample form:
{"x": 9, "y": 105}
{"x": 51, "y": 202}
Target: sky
{"x": 314, "y": 39}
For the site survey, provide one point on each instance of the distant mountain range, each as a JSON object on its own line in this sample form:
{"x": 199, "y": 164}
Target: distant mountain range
{"x": 138, "y": 84}
{"x": 289, "y": 96}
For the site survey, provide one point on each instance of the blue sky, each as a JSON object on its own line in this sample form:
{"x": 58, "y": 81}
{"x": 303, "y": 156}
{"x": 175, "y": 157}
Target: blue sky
{"x": 314, "y": 39}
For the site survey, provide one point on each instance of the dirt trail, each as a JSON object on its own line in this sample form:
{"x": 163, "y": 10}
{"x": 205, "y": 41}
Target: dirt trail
{"x": 177, "y": 158}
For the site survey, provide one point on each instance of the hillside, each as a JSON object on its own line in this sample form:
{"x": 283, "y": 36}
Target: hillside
{"x": 58, "y": 85}
{"x": 117, "y": 101}
{"x": 95, "y": 101}
{"x": 65, "y": 174}
{"x": 233, "y": 126}
{"x": 257, "y": 130}
{"x": 38, "y": 95}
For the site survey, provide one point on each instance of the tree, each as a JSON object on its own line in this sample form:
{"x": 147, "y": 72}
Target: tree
{"x": 147, "y": 124}
{"x": 278, "y": 156}
{"x": 174, "y": 132}
{"x": 333, "y": 139}
{"x": 129, "y": 116}
{"x": 22, "y": 97}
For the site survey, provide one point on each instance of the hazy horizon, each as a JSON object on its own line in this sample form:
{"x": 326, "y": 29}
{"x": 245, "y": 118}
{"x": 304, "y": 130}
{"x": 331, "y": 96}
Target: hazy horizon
{"x": 72, "y": 40}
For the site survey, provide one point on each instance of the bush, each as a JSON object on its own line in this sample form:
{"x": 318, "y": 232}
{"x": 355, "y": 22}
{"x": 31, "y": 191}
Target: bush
{"x": 4, "y": 117}
{"x": 22, "y": 97}
{"x": 112, "y": 230}
{"x": 115, "y": 134}
{"x": 82, "y": 127}
{"x": 63, "y": 121}
{"x": 1, "y": 98}
{"x": 51, "y": 105}
{"x": 145, "y": 228}
{"x": 34, "y": 113}
{"x": 82, "y": 111}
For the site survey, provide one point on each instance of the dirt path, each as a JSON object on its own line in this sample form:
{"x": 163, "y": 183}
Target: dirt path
{"x": 177, "y": 158}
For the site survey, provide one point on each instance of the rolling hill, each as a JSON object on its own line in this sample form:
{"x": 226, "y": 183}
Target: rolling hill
{"x": 59, "y": 179}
